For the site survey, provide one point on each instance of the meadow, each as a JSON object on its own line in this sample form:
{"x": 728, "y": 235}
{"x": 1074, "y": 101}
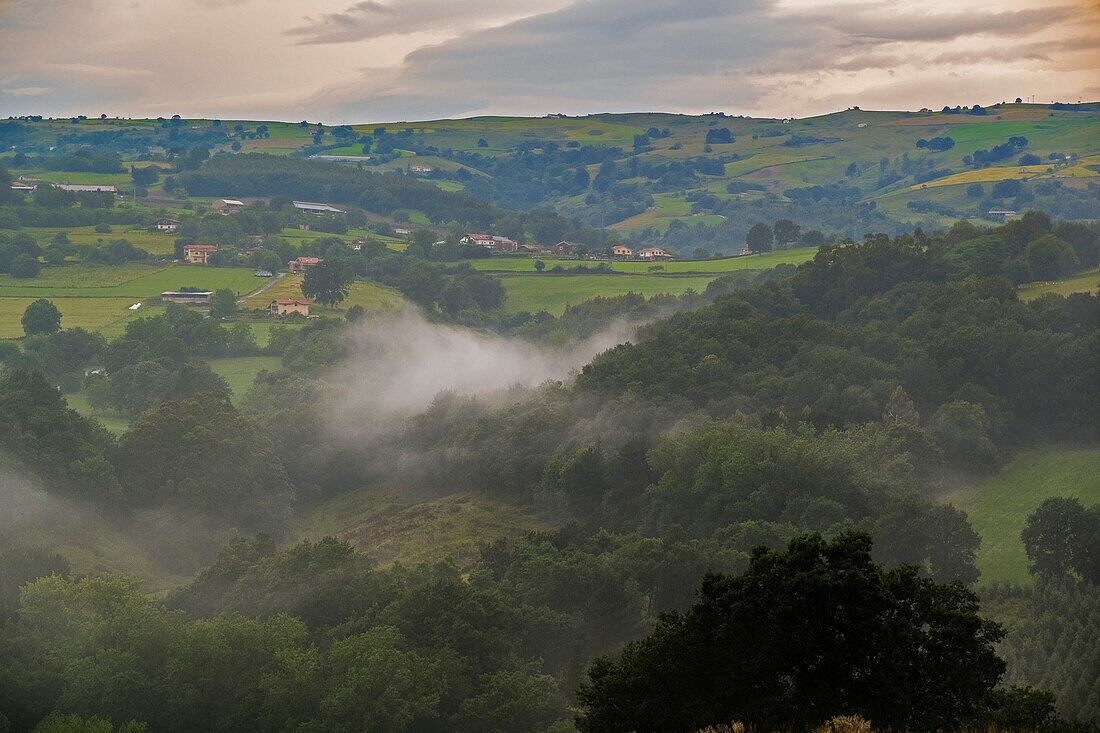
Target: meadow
{"x": 999, "y": 505}
{"x": 1085, "y": 282}
{"x": 762, "y": 261}
{"x": 552, "y": 293}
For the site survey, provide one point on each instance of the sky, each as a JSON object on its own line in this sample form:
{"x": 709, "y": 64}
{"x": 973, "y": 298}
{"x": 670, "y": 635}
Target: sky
{"x": 343, "y": 61}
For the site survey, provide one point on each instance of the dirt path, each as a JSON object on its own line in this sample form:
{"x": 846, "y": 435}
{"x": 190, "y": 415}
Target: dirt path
{"x": 254, "y": 293}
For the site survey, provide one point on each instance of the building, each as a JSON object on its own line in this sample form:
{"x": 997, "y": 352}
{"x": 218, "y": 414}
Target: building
{"x": 653, "y": 253}
{"x": 1002, "y": 213}
{"x": 85, "y": 188}
{"x": 316, "y": 209}
{"x": 531, "y": 248}
{"x": 187, "y": 297}
{"x": 301, "y": 264}
{"x": 419, "y": 169}
{"x": 167, "y": 225}
{"x": 567, "y": 248}
{"x": 746, "y": 249}
{"x": 24, "y": 187}
{"x": 402, "y": 232}
{"x": 198, "y": 254}
{"x": 621, "y": 250}
{"x": 227, "y": 206}
{"x": 283, "y": 306}
{"x": 489, "y": 241}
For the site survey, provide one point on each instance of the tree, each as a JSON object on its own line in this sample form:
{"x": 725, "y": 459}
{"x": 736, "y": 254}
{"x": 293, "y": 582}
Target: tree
{"x": 25, "y": 267}
{"x": 539, "y": 265}
{"x": 355, "y": 314}
{"x": 975, "y": 191}
{"x": 900, "y": 410}
{"x": 145, "y": 176}
{"x": 786, "y": 231}
{"x": 801, "y": 636}
{"x": 41, "y": 316}
{"x": 1062, "y": 537}
{"x": 759, "y": 238}
{"x": 225, "y": 303}
{"x": 481, "y": 143}
{"x": 328, "y": 282}
{"x": 1048, "y": 256}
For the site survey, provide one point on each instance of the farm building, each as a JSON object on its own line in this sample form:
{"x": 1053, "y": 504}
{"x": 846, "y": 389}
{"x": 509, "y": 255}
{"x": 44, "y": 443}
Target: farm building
{"x": 188, "y": 297}
{"x": 24, "y": 187}
{"x": 420, "y": 169}
{"x": 1003, "y": 213}
{"x": 402, "y": 232}
{"x": 531, "y": 248}
{"x": 167, "y": 225}
{"x": 566, "y": 248}
{"x": 283, "y": 306}
{"x": 198, "y": 254}
{"x": 489, "y": 241}
{"x": 746, "y": 249}
{"x": 653, "y": 253}
{"x": 86, "y": 188}
{"x": 316, "y": 209}
{"x": 227, "y": 206}
{"x": 621, "y": 250}
{"x": 301, "y": 264}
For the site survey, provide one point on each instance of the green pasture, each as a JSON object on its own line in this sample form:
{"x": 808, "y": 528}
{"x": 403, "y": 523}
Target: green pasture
{"x": 762, "y": 261}
{"x": 552, "y": 293}
{"x": 88, "y": 313}
{"x": 159, "y": 243}
{"x": 240, "y": 371}
{"x": 999, "y": 506}
{"x": 128, "y": 281}
{"x": 1085, "y": 282}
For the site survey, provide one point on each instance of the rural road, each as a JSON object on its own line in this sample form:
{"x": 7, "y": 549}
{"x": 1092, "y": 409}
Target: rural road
{"x": 267, "y": 285}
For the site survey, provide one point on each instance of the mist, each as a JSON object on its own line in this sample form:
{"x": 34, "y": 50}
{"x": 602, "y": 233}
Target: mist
{"x": 398, "y": 363}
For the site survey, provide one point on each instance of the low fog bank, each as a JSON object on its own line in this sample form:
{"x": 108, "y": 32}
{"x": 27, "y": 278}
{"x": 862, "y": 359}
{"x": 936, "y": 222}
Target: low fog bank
{"x": 398, "y": 363}
{"x": 160, "y": 547}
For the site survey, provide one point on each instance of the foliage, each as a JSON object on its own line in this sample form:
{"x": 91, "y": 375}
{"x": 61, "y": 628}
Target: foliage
{"x": 802, "y": 636}
{"x": 41, "y": 316}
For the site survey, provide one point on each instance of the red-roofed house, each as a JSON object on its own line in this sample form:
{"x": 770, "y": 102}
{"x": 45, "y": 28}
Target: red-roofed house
{"x": 301, "y": 264}
{"x": 282, "y": 306}
{"x": 198, "y": 254}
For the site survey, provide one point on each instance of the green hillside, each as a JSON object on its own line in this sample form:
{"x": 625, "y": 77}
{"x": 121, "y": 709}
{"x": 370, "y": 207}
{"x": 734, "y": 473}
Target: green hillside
{"x": 999, "y": 505}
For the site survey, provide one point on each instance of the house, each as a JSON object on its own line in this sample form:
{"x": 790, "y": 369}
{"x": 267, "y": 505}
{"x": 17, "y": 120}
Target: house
{"x": 402, "y": 232}
{"x": 419, "y": 169}
{"x": 621, "y": 250}
{"x": 227, "y": 206}
{"x": 167, "y": 225}
{"x": 85, "y": 188}
{"x": 566, "y": 248}
{"x": 489, "y": 241}
{"x": 746, "y": 249}
{"x": 531, "y": 248}
{"x": 301, "y": 264}
{"x": 653, "y": 253}
{"x": 188, "y": 297}
{"x": 198, "y": 254}
{"x": 1003, "y": 213}
{"x": 316, "y": 209}
{"x": 282, "y": 306}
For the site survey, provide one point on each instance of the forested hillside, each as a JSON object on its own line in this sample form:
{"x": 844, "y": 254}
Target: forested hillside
{"x": 825, "y": 408}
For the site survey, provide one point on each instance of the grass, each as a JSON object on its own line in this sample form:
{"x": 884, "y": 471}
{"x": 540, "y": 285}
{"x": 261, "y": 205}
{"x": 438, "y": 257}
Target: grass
{"x": 372, "y": 296}
{"x": 553, "y": 293}
{"x": 999, "y": 505}
{"x": 241, "y": 371}
{"x": 116, "y": 423}
{"x": 127, "y": 281}
{"x": 396, "y": 527}
{"x": 729, "y": 264}
{"x": 159, "y": 243}
{"x": 1085, "y": 282}
{"x": 88, "y": 313}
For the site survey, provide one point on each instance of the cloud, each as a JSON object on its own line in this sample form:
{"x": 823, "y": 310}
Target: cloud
{"x": 882, "y": 23}
{"x": 373, "y": 19}
{"x": 27, "y": 91}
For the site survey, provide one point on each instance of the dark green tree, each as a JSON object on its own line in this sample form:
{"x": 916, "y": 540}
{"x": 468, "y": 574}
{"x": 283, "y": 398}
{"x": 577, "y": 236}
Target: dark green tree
{"x": 225, "y": 303}
{"x": 25, "y": 267}
{"x": 328, "y": 282}
{"x": 759, "y": 238}
{"x": 41, "y": 316}
{"x": 801, "y": 636}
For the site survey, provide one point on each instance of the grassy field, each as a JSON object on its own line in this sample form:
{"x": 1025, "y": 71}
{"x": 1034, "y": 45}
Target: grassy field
{"x": 372, "y": 296}
{"x": 998, "y": 506}
{"x": 88, "y": 313}
{"x": 729, "y": 264}
{"x": 396, "y": 527}
{"x": 241, "y": 371}
{"x": 1085, "y": 282}
{"x": 553, "y": 293}
{"x": 114, "y": 422}
{"x": 160, "y": 243}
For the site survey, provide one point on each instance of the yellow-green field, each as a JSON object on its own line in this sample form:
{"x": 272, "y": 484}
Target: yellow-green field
{"x": 88, "y": 313}
{"x": 240, "y": 371}
{"x": 999, "y": 506}
{"x": 763, "y": 261}
{"x": 552, "y": 293}
{"x": 1085, "y": 282}
{"x": 159, "y": 243}
{"x": 372, "y": 296}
